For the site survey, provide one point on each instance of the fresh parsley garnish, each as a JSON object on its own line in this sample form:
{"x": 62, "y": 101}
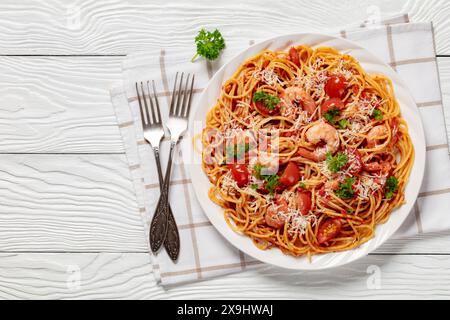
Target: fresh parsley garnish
{"x": 337, "y": 162}
{"x": 345, "y": 189}
{"x": 391, "y": 187}
{"x": 270, "y": 101}
{"x": 209, "y": 44}
{"x": 236, "y": 151}
{"x": 257, "y": 168}
{"x": 302, "y": 185}
{"x": 271, "y": 180}
{"x": 254, "y": 186}
{"x": 271, "y": 183}
{"x": 377, "y": 114}
{"x": 331, "y": 114}
{"x": 343, "y": 123}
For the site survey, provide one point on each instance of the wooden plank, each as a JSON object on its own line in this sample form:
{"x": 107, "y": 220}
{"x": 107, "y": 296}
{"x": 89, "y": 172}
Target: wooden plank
{"x": 432, "y": 243}
{"x": 58, "y": 104}
{"x": 75, "y": 276}
{"x": 68, "y": 203}
{"x": 128, "y": 275}
{"x": 117, "y": 27}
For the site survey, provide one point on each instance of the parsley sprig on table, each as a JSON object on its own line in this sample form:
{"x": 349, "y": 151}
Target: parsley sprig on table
{"x": 337, "y": 162}
{"x": 209, "y": 44}
{"x": 270, "y": 101}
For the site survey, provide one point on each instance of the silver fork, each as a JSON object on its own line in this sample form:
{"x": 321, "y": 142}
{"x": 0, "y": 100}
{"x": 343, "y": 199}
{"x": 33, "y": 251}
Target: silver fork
{"x": 177, "y": 124}
{"x": 153, "y": 133}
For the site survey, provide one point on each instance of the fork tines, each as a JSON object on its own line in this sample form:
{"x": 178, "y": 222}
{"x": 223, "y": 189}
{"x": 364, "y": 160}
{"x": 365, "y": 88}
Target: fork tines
{"x": 154, "y": 116}
{"x": 181, "y": 98}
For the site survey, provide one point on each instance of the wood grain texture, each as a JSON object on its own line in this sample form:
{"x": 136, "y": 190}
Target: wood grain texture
{"x": 58, "y": 104}
{"x": 75, "y": 276}
{"x": 128, "y": 275}
{"x": 68, "y": 203}
{"x": 404, "y": 277}
{"x": 119, "y": 27}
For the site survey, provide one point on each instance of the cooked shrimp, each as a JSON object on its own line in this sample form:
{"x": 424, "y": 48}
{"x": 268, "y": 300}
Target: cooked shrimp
{"x": 378, "y": 166}
{"x": 297, "y": 94}
{"x": 331, "y": 185}
{"x": 317, "y": 133}
{"x": 276, "y": 215}
{"x": 375, "y": 134}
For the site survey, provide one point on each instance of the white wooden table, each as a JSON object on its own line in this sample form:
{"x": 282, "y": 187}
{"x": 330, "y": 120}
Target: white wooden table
{"x": 69, "y": 226}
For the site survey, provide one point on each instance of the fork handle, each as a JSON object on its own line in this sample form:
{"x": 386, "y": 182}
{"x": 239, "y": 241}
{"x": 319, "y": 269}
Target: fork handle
{"x": 169, "y": 167}
{"x": 159, "y": 223}
{"x": 172, "y": 241}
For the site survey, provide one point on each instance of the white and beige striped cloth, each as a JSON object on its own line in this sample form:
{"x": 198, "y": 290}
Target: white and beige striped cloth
{"x": 407, "y": 47}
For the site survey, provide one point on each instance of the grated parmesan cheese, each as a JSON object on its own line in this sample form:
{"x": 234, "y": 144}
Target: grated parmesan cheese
{"x": 369, "y": 184}
{"x": 341, "y": 69}
{"x": 315, "y": 81}
{"x": 229, "y": 185}
{"x": 267, "y": 76}
{"x": 298, "y": 223}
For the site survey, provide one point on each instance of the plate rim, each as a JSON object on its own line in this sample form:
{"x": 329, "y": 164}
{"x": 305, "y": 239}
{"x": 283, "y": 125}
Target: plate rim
{"x": 419, "y": 154}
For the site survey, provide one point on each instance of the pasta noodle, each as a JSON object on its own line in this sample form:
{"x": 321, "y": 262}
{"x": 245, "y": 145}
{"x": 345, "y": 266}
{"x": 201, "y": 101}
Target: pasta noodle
{"x": 306, "y": 151}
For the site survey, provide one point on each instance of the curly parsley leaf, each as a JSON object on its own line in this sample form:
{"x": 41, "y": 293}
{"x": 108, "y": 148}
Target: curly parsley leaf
{"x": 271, "y": 180}
{"x": 269, "y": 101}
{"x": 391, "y": 187}
{"x": 236, "y": 151}
{"x": 209, "y": 44}
{"x": 337, "y": 162}
{"x": 377, "y": 114}
{"x": 343, "y": 123}
{"x": 331, "y": 114}
{"x": 257, "y": 171}
{"x": 345, "y": 189}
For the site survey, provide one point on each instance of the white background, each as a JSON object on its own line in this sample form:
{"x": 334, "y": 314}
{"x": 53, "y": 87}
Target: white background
{"x": 69, "y": 225}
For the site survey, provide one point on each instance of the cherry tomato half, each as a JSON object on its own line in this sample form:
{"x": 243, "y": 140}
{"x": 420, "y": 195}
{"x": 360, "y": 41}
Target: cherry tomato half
{"x": 240, "y": 174}
{"x": 329, "y": 229}
{"x": 261, "y": 108}
{"x": 331, "y": 104}
{"x": 293, "y": 56}
{"x": 274, "y": 216}
{"x": 304, "y": 202}
{"x": 335, "y": 86}
{"x": 291, "y": 174}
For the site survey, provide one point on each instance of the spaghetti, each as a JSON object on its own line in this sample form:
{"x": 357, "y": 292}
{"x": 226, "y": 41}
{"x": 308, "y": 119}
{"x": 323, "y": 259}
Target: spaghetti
{"x": 306, "y": 151}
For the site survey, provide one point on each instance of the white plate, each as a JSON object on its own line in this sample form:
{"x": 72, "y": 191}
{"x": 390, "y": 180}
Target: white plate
{"x": 410, "y": 113}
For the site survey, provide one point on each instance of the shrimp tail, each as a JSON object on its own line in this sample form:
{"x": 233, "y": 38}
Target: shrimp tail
{"x": 308, "y": 154}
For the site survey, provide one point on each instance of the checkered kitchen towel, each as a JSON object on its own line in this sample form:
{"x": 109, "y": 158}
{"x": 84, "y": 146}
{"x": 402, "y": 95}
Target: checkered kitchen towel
{"x": 407, "y": 47}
